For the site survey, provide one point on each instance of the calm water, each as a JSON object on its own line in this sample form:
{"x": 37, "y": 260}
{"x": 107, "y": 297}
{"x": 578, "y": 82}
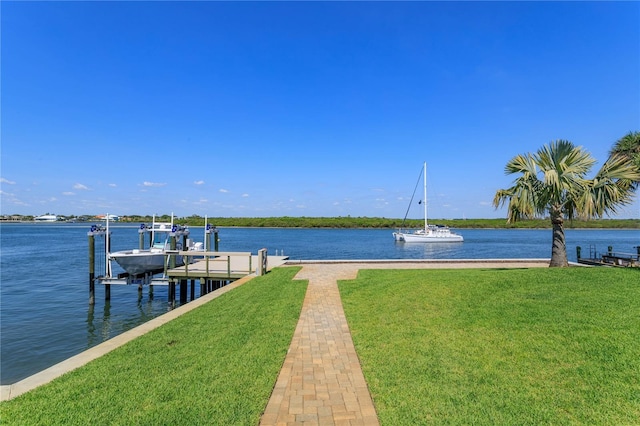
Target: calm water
{"x": 44, "y": 312}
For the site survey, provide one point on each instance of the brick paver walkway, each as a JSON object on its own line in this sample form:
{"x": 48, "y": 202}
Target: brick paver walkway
{"x": 321, "y": 381}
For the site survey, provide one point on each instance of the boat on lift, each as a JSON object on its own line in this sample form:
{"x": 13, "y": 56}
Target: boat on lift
{"x": 155, "y": 258}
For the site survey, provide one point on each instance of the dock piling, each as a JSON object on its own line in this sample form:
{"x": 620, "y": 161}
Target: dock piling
{"x": 92, "y": 269}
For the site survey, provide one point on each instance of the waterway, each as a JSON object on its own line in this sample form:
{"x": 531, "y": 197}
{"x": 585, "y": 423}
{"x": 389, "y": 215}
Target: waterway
{"x": 45, "y": 316}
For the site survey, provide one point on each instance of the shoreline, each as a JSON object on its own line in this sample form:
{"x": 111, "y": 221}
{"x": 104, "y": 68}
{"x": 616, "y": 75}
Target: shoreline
{"x": 516, "y": 228}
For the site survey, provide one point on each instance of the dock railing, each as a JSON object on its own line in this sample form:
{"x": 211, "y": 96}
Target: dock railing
{"x": 198, "y": 264}
{"x": 621, "y": 259}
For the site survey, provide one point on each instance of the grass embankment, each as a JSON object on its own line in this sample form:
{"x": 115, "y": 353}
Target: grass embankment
{"x": 214, "y": 365}
{"x": 538, "y": 346}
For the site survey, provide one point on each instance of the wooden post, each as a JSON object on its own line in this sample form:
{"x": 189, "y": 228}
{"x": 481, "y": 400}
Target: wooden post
{"x": 172, "y": 293}
{"x": 183, "y": 291}
{"x": 92, "y": 269}
{"x": 215, "y": 239}
{"x": 172, "y": 246}
{"x": 107, "y": 247}
{"x": 193, "y": 289}
{"x": 262, "y": 262}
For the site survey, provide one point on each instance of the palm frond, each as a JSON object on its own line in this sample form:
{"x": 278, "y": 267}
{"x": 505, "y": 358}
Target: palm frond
{"x": 611, "y": 188}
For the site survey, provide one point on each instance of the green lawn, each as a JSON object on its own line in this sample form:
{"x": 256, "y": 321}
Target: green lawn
{"x": 509, "y": 347}
{"x": 214, "y": 365}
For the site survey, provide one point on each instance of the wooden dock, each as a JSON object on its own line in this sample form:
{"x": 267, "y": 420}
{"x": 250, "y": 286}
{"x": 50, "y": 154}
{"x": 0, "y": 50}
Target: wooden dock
{"x": 224, "y": 265}
{"x": 610, "y": 258}
{"x": 203, "y": 266}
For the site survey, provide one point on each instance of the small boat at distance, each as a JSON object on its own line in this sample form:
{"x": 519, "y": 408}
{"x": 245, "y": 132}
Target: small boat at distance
{"x": 430, "y": 233}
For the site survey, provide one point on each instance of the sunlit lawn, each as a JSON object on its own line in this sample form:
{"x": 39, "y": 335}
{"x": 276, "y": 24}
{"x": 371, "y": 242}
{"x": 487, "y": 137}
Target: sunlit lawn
{"x": 536, "y": 346}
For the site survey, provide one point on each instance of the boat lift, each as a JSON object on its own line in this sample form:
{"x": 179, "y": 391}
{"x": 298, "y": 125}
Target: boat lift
{"x": 157, "y": 277}
{"x": 212, "y": 268}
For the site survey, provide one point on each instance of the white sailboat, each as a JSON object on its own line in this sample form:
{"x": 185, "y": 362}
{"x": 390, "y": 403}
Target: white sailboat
{"x": 430, "y": 233}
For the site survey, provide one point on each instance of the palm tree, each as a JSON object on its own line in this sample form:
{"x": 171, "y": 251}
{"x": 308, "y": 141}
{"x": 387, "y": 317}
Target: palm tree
{"x": 553, "y": 182}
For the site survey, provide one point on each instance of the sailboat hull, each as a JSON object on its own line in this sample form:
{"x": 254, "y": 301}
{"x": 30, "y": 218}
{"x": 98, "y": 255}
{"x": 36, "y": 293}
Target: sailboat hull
{"x": 432, "y": 238}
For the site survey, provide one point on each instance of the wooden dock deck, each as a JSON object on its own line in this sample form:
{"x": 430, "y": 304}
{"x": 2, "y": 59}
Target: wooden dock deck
{"x": 203, "y": 266}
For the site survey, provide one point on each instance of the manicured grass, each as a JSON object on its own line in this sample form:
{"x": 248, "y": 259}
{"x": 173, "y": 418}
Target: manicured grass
{"x": 508, "y": 347}
{"x": 214, "y": 365}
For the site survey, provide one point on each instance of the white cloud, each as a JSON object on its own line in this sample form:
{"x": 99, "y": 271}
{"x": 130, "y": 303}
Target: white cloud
{"x": 223, "y": 190}
{"x": 145, "y": 183}
{"x": 7, "y": 181}
{"x": 198, "y": 182}
{"x": 80, "y": 186}
{"x": 112, "y": 185}
{"x": 245, "y": 195}
{"x": 68, "y": 193}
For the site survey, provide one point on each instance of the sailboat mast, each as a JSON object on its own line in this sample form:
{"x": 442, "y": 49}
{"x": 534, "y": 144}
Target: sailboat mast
{"x": 425, "y": 196}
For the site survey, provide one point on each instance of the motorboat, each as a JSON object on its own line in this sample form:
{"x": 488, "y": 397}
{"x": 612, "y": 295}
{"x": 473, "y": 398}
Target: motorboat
{"x": 430, "y": 233}
{"x": 156, "y": 257}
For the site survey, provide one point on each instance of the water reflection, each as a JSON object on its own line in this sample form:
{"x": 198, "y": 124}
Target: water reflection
{"x": 428, "y": 250}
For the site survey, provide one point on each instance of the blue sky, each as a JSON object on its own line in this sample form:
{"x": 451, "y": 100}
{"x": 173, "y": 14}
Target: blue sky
{"x": 302, "y": 108}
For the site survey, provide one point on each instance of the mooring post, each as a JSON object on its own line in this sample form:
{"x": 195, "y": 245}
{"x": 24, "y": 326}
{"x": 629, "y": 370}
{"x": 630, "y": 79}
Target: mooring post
{"x": 172, "y": 246}
{"x": 172, "y": 293}
{"x": 610, "y": 250}
{"x": 183, "y": 291}
{"x": 141, "y": 232}
{"x": 107, "y": 248}
{"x": 262, "y": 262}
{"x": 578, "y": 250}
{"x": 92, "y": 268}
{"x": 215, "y": 239}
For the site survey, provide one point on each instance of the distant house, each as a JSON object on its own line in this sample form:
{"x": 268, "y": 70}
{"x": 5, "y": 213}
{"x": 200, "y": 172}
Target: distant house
{"x": 111, "y": 217}
{"x": 46, "y": 218}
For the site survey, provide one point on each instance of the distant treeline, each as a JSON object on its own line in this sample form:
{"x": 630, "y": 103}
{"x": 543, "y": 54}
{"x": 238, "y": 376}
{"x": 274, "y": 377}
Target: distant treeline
{"x": 381, "y": 222}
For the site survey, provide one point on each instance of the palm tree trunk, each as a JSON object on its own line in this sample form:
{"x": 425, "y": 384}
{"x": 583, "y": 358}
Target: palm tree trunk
{"x": 559, "y": 247}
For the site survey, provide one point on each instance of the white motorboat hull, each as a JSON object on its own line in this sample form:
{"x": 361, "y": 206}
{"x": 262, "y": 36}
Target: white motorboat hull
{"x": 137, "y": 262}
